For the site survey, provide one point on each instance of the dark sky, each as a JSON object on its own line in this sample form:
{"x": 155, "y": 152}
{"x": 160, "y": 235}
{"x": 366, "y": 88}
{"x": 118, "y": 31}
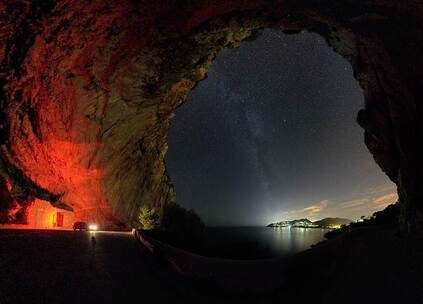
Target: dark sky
{"x": 271, "y": 135}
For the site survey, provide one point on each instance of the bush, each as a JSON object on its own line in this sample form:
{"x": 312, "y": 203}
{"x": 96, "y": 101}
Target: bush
{"x": 178, "y": 219}
{"x": 388, "y": 217}
{"x": 182, "y": 228}
{"x": 149, "y": 218}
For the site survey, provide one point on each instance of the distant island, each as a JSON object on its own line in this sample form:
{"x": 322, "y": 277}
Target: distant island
{"x": 329, "y": 222}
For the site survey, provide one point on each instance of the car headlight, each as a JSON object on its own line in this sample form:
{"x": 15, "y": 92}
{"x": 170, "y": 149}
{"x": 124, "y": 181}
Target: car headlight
{"x": 92, "y": 227}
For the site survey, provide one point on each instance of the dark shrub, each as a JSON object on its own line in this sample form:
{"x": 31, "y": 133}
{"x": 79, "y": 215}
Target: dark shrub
{"x": 178, "y": 219}
{"x": 182, "y": 228}
{"x": 388, "y": 216}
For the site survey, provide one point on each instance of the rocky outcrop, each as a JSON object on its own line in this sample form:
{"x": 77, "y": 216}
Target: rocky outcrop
{"x": 88, "y": 90}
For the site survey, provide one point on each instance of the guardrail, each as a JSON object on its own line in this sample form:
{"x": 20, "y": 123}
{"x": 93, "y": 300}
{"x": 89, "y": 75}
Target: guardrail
{"x": 235, "y": 275}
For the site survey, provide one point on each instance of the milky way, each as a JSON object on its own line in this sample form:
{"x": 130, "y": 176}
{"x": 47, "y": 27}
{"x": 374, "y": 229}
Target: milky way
{"x": 271, "y": 135}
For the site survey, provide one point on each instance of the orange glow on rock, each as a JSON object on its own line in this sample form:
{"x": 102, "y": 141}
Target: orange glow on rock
{"x": 8, "y": 185}
{"x": 79, "y": 66}
{"x": 65, "y": 168}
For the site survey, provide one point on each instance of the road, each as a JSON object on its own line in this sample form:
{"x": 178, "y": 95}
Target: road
{"x": 66, "y": 267}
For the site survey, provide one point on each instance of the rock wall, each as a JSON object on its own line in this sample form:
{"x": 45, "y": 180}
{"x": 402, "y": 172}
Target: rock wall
{"x": 88, "y": 89}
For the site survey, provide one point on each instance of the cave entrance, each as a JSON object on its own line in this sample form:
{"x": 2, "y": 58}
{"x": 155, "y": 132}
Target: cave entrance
{"x": 271, "y": 135}
{"x": 103, "y": 113}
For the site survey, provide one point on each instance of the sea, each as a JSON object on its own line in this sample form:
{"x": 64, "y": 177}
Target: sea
{"x": 261, "y": 242}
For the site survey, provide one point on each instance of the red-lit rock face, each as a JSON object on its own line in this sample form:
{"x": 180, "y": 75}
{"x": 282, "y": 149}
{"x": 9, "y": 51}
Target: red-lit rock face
{"x": 88, "y": 90}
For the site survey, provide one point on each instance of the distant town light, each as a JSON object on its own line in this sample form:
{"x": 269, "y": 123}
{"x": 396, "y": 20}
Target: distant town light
{"x": 92, "y": 227}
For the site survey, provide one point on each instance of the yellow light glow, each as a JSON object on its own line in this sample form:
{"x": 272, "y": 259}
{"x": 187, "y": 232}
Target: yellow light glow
{"x": 92, "y": 227}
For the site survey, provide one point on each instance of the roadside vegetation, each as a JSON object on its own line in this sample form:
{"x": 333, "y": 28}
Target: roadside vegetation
{"x": 149, "y": 218}
{"x": 173, "y": 224}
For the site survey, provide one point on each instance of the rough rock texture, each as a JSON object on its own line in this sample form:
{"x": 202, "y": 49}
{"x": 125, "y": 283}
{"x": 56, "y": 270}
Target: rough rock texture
{"x": 88, "y": 89}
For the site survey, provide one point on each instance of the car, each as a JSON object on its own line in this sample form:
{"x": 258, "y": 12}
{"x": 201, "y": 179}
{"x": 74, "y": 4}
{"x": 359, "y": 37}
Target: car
{"x": 80, "y": 226}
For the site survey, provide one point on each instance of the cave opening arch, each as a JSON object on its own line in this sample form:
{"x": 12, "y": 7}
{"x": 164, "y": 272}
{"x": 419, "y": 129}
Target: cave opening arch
{"x": 271, "y": 135}
{"x": 86, "y": 112}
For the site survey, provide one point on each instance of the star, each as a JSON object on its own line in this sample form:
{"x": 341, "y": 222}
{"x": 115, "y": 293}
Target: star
{"x": 271, "y": 129}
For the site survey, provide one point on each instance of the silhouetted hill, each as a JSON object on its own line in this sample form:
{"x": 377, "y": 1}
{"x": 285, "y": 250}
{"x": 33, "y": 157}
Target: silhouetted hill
{"x": 332, "y": 221}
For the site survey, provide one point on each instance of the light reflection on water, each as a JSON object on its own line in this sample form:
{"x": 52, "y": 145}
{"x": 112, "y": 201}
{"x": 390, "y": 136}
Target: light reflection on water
{"x": 285, "y": 240}
{"x": 279, "y": 240}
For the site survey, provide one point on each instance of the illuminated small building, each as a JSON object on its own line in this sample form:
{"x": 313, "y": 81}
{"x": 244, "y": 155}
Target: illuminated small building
{"x": 42, "y": 215}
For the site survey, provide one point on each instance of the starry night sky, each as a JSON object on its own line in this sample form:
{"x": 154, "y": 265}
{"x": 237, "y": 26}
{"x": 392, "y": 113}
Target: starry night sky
{"x": 271, "y": 135}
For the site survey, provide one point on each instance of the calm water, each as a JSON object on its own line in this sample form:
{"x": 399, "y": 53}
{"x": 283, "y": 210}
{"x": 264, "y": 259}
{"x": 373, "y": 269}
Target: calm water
{"x": 274, "y": 241}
